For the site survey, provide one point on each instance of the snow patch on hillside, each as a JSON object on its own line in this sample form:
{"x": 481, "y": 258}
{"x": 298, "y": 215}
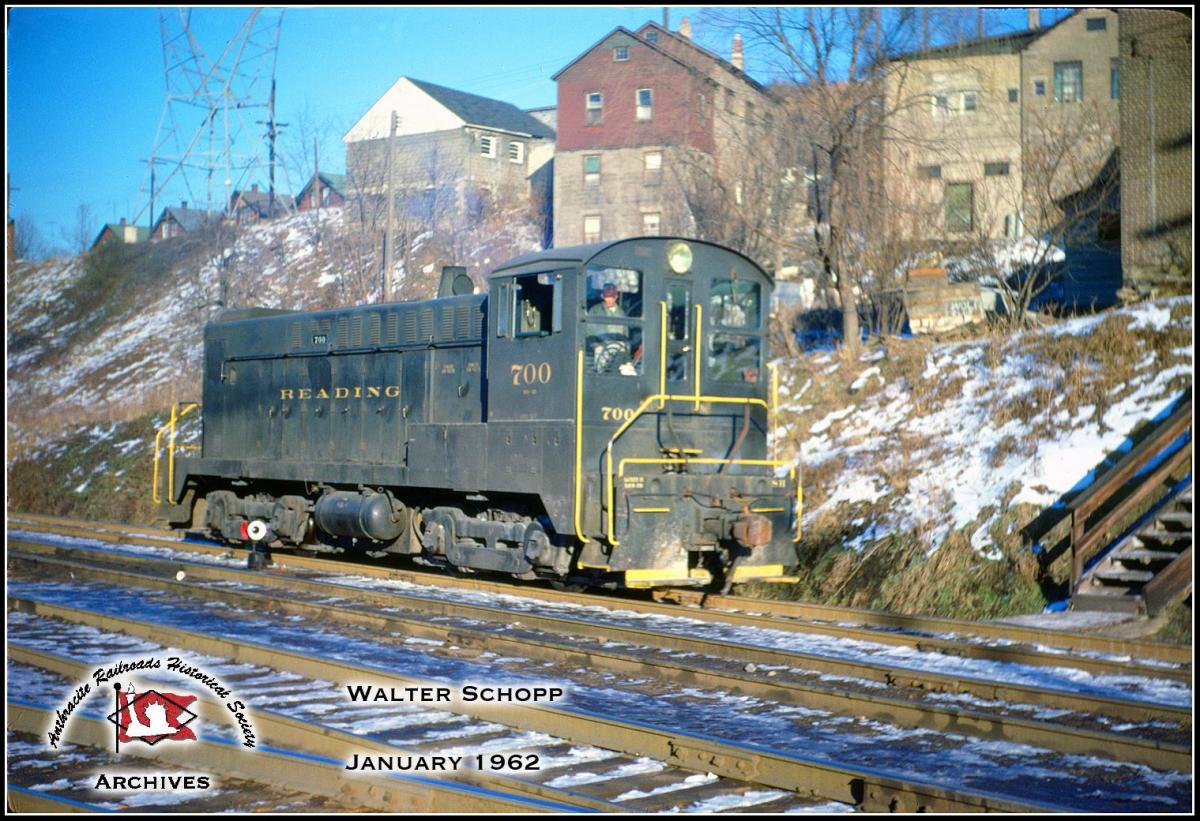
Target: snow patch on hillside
{"x": 966, "y": 468}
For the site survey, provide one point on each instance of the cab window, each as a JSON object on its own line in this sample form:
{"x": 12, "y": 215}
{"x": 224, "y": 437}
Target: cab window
{"x": 534, "y": 306}
{"x": 735, "y": 304}
{"x": 613, "y": 344}
{"x": 734, "y": 357}
{"x": 679, "y": 330}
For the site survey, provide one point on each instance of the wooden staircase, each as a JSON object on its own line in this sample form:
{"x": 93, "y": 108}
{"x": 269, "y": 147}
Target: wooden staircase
{"x": 1147, "y": 568}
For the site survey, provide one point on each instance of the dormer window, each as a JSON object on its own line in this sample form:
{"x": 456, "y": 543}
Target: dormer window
{"x": 652, "y": 36}
{"x": 620, "y": 54}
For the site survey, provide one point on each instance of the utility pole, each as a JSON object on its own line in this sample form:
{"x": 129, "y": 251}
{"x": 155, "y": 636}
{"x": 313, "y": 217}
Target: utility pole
{"x": 272, "y": 132}
{"x": 391, "y": 213}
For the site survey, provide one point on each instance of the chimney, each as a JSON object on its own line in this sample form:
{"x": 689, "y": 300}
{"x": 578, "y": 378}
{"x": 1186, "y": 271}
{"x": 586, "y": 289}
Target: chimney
{"x": 1035, "y": 21}
{"x": 122, "y": 220}
{"x": 254, "y": 188}
{"x": 685, "y": 27}
{"x": 183, "y": 203}
{"x": 738, "y": 58}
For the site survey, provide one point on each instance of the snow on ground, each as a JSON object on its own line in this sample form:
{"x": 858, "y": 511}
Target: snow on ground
{"x": 970, "y": 465}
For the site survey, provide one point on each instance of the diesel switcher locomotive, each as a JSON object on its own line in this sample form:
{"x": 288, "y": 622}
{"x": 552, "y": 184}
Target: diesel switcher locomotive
{"x": 599, "y": 415}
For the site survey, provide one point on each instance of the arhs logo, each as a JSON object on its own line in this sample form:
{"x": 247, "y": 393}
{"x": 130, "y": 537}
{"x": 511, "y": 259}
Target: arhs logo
{"x": 152, "y": 716}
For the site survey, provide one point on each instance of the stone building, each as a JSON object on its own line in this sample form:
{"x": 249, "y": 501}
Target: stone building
{"x": 1156, "y": 151}
{"x": 640, "y": 114}
{"x": 993, "y": 136}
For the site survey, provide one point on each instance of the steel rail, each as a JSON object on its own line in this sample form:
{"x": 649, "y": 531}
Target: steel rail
{"x": 870, "y": 789}
{"x": 1059, "y": 737}
{"x": 1122, "y": 709}
{"x": 303, "y": 773}
{"x": 776, "y": 614}
{"x": 281, "y": 731}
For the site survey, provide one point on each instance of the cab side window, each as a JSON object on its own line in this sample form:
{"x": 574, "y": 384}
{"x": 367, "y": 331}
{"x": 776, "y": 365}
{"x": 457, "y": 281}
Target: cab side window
{"x": 533, "y": 306}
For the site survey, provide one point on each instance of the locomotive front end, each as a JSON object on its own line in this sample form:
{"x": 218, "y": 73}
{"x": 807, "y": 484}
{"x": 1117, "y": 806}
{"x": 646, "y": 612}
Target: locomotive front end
{"x": 674, "y": 409}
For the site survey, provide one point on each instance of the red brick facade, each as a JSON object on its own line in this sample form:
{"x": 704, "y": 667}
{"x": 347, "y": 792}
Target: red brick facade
{"x": 682, "y": 100}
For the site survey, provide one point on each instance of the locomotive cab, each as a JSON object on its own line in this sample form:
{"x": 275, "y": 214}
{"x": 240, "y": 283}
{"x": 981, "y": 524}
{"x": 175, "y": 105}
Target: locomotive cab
{"x": 671, "y": 482}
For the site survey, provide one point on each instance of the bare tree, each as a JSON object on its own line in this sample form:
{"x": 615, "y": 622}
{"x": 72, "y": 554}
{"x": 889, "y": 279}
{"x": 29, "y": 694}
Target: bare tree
{"x": 29, "y": 242}
{"x": 830, "y": 131}
{"x": 80, "y": 235}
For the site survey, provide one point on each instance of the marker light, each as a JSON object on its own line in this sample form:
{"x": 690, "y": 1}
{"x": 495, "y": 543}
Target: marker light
{"x": 679, "y": 257}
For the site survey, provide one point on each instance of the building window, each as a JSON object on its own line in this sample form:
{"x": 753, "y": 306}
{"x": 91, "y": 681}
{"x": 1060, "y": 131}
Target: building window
{"x": 701, "y": 108}
{"x": 591, "y": 170}
{"x": 652, "y": 36}
{"x": 941, "y": 104}
{"x": 1013, "y": 95}
{"x": 969, "y": 102}
{"x": 729, "y": 100}
{"x": 960, "y": 207}
{"x": 645, "y": 103}
{"x": 1039, "y": 88}
{"x": 650, "y": 225}
{"x": 652, "y": 168}
{"x": 487, "y": 147}
{"x": 591, "y": 228}
{"x": 620, "y": 54}
{"x": 1097, "y": 24}
{"x": 1068, "y": 82}
{"x": 929, "y": 172}
{"x": 749, "y": 112}
{"x": 516, "y": 152}
{"x": 595, "y": 108}
{"x": 995, "y": 169}
{"x": 1114, "y": 79}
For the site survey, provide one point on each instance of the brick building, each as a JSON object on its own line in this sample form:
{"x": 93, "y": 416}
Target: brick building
{"x": 636, "y": 112}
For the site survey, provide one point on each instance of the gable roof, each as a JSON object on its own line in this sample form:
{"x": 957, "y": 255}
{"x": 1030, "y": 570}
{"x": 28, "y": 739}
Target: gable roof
{"x": 1010, "y": 43}
{"x": 485, "y": 112}
{"x": 141, "y": 232}
{"x": 334, "y": 182}
{"x": 705, "y": 54}
{"x": 701, "y": 52}
{"x": 189, "y": 219}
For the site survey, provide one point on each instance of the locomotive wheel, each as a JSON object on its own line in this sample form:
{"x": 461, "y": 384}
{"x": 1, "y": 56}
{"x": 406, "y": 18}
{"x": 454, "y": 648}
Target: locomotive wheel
{"x": 567, "y": 587}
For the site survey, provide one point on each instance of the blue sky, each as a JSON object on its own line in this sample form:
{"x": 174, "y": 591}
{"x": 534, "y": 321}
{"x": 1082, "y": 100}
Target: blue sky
{"x": 85, "y": 86}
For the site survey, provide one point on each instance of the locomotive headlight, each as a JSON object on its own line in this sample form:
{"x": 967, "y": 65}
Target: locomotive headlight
{"x": 679, "y": 257}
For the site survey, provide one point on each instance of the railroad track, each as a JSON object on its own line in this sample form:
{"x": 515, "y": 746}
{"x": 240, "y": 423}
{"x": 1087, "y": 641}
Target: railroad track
{"x": 1001, "y": 642}
{"x": 652, "y": 755}
{"x": 633, "y": 652}
{"x": 447, "y": 622}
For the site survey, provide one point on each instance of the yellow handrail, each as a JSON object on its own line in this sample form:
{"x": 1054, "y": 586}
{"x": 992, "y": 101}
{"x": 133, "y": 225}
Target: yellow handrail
{"x": 611, "y": 481}
{"x": 171, "y": 428}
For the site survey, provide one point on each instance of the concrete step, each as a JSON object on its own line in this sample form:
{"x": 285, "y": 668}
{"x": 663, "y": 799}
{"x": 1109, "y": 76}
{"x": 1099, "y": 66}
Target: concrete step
{"x": 1122, "y": 575}
{"x": 1182, "y": 538}
{"x": 1176, "y": 517}
{"x": 1144, "y": 555}
{"x": 1127, "y": 603}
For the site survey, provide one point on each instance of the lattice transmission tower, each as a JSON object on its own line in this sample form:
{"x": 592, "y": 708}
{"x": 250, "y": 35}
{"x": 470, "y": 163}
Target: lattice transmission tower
{"x": 207, "y": 144}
